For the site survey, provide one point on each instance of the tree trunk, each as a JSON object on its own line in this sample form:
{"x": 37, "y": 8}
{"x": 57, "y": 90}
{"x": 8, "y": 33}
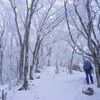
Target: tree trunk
{"x": 1, "y": 61}
{"x": 4, "y": 95}
{"x": 97, "y": 70}
{"x": 70, "y": 67}
{"x": 57, "y": 69}
{"x": 26, "y": 41}
{"x": 31, "y": 73}
{"x": 98, "y": 76}
{"x": 35, "y": 57}
{"x": 21, "y": 62}
{"x": 25, "y": 85}
{"x": 49, "y": 55}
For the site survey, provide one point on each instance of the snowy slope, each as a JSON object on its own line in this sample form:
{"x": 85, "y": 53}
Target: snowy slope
{"x": 51, "y": 86}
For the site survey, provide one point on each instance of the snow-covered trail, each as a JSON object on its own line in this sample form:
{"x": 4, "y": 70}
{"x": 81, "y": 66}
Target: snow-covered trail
{"x": 61, "y": 86}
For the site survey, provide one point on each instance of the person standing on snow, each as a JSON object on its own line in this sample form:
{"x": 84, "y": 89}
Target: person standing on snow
{"x": 88, "y": 68}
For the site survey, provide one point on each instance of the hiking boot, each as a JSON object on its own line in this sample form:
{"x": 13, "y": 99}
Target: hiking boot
{"x": 87, "y": 83}
{"x": 92, "y": 82}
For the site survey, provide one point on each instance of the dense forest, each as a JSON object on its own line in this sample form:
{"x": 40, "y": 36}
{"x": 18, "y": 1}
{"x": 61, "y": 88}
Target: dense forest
{"x": 35, "y": 34}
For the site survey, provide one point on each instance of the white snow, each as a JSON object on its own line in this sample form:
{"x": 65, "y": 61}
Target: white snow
{"x": 51, "y": 86}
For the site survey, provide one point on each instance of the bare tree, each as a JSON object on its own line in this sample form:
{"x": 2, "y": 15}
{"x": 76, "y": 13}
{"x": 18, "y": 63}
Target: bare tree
{"x": 42, "y": 32}
{"x": 35, "y": 57}
{"x": 20, "y": 66}
{"x": 30, "y": 11}
{"x": 88, "y": 32}
{"x": 24, "y": 45}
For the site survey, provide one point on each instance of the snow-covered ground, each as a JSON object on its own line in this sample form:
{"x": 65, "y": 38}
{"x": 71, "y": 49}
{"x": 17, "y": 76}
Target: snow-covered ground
{"x": 51, "y": 86}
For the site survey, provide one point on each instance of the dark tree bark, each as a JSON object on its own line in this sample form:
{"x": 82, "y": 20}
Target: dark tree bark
{"x": 49, "y": 55}
{"x": 34, "y": 64}
{"x": 25, "y": 84}
{"x": 1, "y": 56}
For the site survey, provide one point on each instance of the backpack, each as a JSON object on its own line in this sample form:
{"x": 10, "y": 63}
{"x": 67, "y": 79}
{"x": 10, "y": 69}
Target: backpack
{"x": 87, "y": 65}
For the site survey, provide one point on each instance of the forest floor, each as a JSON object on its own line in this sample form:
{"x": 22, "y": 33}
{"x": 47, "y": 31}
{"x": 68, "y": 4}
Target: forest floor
{"x": 51, "y": 86}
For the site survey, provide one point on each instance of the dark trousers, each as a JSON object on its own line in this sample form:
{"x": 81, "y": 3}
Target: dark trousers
{"x": 88, "y": 76}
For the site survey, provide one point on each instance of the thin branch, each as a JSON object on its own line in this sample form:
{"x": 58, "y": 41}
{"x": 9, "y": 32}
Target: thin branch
{"x": 47, "y": 12}
{"x": 78, "y": 27}
{"x": 82, "y": 23}
{"x": 16, "y": 21}
{"x": 74, "y": 42}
